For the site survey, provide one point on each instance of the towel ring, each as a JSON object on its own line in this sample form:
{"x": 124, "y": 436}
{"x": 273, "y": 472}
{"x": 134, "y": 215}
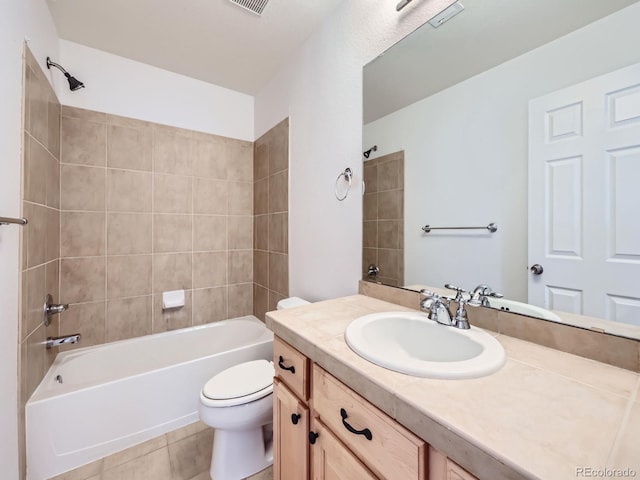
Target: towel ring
{"x": 348, "y": 175}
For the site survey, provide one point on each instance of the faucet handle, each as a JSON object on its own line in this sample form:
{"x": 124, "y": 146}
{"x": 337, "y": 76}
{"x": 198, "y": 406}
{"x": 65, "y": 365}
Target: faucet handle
{"x": 461, "y": 320}
{"x": 453, "y": 287}
{"x": 432, "y": 301}
{"x": 459, "y": 294}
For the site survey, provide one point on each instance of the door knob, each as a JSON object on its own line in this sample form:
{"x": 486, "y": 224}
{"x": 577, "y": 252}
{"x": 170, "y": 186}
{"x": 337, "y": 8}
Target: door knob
{"x": 536, "y": 269}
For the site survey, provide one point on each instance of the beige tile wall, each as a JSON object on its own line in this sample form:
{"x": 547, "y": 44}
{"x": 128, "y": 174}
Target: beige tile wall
{"x": 147, "y": 208}
{"x": 271, "y": 219}
{"x": 40, "y": 248}
{"x": 383, "y": 218}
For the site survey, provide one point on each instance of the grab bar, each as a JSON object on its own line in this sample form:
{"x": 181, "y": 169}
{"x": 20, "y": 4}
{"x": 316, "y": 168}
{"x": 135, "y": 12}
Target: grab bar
{"x": 492, "y": 227}
{"x": 18, "y": 221}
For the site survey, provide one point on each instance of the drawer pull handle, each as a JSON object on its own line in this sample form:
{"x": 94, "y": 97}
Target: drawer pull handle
{"x": 312, "y": 437}
{"x": 281, "y": 364}
{"x": 366, "y": 432}
{"x": 295, "y": 417}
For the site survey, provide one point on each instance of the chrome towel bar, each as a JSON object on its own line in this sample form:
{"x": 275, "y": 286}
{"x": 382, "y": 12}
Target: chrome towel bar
{"x": 492, "y": 227}
{"x": 8, "y": 220}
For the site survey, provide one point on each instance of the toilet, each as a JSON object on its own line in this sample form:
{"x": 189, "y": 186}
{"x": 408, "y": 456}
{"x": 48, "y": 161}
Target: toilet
{"x": 238, "y": 404}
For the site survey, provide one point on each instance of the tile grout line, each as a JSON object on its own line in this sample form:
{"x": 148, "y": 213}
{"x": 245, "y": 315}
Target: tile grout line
{"x": 106, "y": 226}
{"x": 153, "y": 186}
{"x": 193, "y": 229}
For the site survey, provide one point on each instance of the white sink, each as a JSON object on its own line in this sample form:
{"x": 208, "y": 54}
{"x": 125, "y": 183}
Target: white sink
{"x": 522, "y": 308}
{"x": 410, "y": 343}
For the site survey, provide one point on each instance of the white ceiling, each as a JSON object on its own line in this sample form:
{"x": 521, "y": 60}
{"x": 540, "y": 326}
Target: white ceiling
{"x": 212, "y": 40}
{"x": 486, "y": 34}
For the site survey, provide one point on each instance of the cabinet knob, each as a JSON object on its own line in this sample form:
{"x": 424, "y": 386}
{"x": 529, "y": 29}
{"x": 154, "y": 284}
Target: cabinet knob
{"x": 295, "y": 417}
{"x": 312, "y": 437}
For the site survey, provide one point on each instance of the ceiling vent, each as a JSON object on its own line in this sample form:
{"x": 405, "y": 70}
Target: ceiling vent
{"x": 255, "y": 6}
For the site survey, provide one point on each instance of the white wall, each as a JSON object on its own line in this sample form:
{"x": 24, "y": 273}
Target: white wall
{"x": 466, "y": 153}
{"x": 320, "y": 89}
{"x": 120, "y": 86}
{"x": 18, "y": 19}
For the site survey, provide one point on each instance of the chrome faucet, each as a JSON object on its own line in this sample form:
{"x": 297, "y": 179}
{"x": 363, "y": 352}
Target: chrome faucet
{"x": 436, "y": 306}
{"x": 480, "y": 294}
{"x": 460, "y": 320}
{"x": 57, "y": 341}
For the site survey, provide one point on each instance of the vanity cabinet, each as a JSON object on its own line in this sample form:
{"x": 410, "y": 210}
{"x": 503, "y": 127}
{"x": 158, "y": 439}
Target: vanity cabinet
{"x": 291, "y": 419}
{"x": 323, "y": 430}
{"x": 389, "y": 449}
{"x": 290, "y": 433}
{"x": 332, "y": 460}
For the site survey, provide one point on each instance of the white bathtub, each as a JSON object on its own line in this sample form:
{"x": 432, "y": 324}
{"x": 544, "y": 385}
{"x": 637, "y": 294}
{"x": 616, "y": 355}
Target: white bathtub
{"x": 117, "y": 395}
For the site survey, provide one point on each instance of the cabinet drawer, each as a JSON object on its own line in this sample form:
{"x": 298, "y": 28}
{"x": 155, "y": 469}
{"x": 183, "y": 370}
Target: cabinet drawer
{"x": 389, "y": 449}
{"x": 292, "y": 368}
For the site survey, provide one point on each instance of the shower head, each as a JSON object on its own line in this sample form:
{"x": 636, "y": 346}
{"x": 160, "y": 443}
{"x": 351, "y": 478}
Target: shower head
{"x": 74, "y": 83}
{"x": 366, "y": 153}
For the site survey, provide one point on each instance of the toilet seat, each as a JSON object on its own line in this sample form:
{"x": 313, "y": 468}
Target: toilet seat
{"x": 240, "y": 384}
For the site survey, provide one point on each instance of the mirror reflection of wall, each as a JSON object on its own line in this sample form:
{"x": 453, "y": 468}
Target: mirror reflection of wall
{"x": 466, "y": 145}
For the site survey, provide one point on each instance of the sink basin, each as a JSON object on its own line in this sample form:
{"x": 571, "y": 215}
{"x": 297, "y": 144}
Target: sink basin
{"x": 523, "y": 309}
{"x": 410, "y": 343}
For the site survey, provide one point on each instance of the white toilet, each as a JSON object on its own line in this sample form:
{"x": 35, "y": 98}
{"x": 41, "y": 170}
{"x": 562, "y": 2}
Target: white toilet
{"x": 238, "y": 404}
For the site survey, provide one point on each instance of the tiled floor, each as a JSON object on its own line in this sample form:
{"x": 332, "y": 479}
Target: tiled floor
{"x": 183, "y": 454}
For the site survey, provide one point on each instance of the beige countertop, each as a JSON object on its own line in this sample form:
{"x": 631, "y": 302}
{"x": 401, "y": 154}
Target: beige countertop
{"x": 546, "y": 414}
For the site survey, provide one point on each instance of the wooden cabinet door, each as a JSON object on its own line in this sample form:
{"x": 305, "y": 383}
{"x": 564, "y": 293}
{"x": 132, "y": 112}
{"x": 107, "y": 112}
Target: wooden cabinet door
{"x": 290, "y": 435}
{"x": 443, "y": 468}
{"x": 331, "y": 460}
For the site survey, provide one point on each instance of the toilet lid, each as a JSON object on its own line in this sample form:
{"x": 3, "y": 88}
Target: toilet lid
{"x": 241, "y": 380}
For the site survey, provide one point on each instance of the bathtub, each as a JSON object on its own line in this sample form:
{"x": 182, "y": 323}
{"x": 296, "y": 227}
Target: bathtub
{"x": 116, "y": 395}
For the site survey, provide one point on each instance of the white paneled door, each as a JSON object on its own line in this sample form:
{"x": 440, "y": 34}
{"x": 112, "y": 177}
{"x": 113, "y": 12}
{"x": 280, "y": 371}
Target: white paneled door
{"x": 584, "y": 198}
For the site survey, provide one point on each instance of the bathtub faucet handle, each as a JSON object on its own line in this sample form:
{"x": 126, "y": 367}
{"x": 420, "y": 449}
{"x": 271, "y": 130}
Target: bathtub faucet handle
{"x": 51, "y": 308}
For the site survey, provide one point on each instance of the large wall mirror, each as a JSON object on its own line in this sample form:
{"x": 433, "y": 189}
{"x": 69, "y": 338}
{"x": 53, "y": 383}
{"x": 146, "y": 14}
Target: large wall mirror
{"x": 524, "y": 114}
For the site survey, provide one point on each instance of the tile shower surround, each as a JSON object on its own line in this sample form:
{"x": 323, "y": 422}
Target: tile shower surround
{"x": 271, "y": 200}
{"x": 147, "y": 208}
{"x": 383, "y": 218}
{"x": 120, "y": 210}
{"x": 40, "y": 247}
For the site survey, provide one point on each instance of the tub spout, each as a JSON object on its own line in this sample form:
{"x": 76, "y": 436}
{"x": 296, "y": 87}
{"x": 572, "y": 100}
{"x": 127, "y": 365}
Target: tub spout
{"x": 57, "y": 341}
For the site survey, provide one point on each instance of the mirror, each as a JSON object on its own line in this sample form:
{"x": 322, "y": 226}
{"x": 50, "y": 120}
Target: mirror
{"x": 447, "y": 109}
